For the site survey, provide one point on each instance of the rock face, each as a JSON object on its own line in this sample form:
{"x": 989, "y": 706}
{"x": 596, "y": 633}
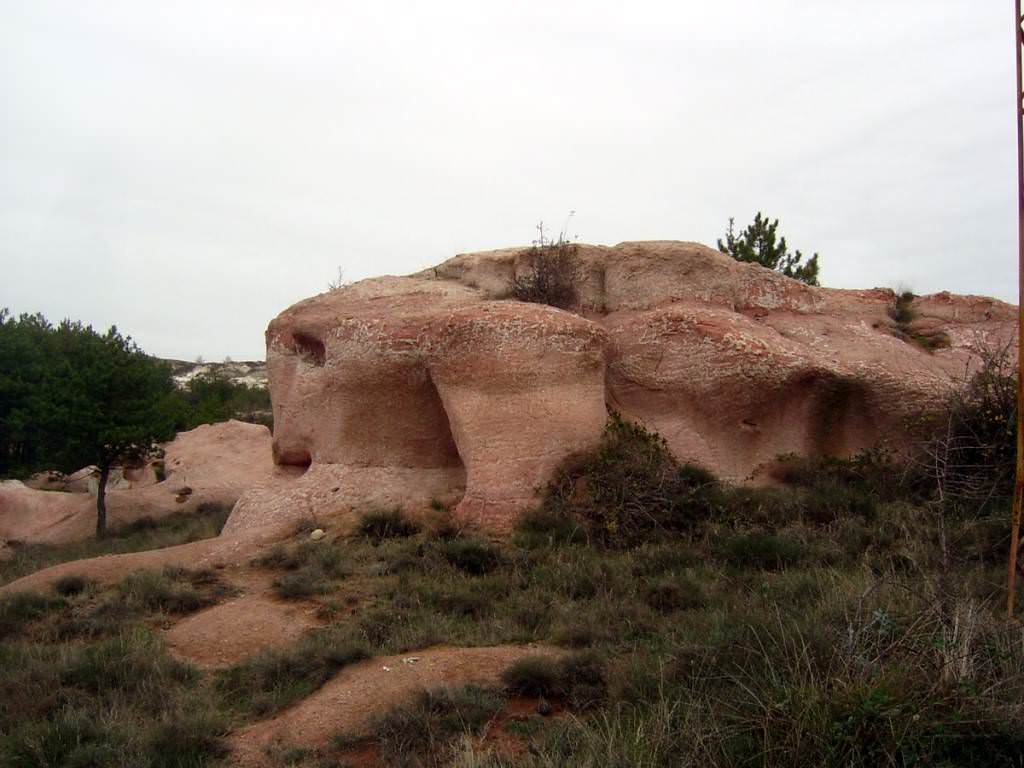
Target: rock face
{"x": 436, "y": 386}
{"x": 212, "y": 464}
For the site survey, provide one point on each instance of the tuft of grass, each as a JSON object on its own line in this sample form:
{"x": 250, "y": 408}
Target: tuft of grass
{"x": 579, "y": 678}
{"x": 548, "y": 527}
{"x": 667, "y": 595}
{"x": 68, "y": 586}
{"x": 766, "y": 551}
{"x": 473, "y": 556}
{"x": 21, "y": 609}
{"x": 386, "y": 524}
{"x": 533, "y": 676}
{"x": 424, "y": 731}
{"x": 271, "y": 680}
{"x": 172, "y": 590}
{"x": 310, "y": 568}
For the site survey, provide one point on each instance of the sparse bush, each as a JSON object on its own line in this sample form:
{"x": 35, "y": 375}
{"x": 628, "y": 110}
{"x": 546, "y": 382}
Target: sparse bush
{"x": 386, "y": 524}
{"x": 969, "y": 455}
{"x": 553, "y": 275}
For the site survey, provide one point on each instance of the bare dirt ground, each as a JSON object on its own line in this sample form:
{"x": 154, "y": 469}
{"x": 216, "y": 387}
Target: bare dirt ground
{"x": 231, "y": 631}
{"x": 348, "y": 703}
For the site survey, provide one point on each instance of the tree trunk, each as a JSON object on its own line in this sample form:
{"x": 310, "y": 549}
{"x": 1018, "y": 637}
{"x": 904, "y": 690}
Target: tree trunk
{"x": 101, "y": 501}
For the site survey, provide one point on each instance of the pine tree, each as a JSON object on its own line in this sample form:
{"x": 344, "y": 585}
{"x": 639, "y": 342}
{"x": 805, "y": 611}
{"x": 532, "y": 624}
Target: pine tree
{"x": 70, "y": 397}
{"x": 759, "y": 244}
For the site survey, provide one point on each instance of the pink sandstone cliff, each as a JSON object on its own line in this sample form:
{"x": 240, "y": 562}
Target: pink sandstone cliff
{"x": 436, "y": 386}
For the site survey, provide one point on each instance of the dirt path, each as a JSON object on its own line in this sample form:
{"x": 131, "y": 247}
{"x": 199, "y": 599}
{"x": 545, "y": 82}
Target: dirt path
{"x": 349, "y": 702}
{"x": 227, "y": 633}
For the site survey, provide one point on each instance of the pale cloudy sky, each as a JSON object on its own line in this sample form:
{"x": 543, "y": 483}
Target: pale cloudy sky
{"x": 188, "y": 169}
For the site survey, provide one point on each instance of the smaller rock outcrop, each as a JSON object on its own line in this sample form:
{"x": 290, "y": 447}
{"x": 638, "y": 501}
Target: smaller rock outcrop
{"x": 211, "y": 464}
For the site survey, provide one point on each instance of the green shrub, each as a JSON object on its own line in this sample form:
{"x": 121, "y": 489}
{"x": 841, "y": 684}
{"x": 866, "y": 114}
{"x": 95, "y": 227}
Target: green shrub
{"x": 460, "y": 598}
{"x": 473, "y": 556}
{"x": 299, "y": 585}
{"x": 386, "y": 524}
{"x": 131, "y": 662}
{"x": 631, "y": 488}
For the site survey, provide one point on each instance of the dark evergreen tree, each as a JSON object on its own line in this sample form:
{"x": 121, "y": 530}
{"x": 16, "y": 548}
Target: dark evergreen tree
{"x": 760, "y": 244}
{"x": 71, "y": 397}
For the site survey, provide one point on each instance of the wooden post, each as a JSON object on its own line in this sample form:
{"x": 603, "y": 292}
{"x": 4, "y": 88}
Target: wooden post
{"x": 1018, "y": 490}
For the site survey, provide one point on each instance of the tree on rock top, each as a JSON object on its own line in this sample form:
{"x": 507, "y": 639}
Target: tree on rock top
{"x": 760, "y": 244}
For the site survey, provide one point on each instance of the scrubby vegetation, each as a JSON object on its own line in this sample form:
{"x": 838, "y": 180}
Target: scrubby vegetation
{"x": 553, "y": 275}
{"x": 902, "y": 314}
{"x": 143, "y": 534}
{"x": 850, "y": 617}
{"x": 213, "y": 397}
{"x": 306, "y": 568}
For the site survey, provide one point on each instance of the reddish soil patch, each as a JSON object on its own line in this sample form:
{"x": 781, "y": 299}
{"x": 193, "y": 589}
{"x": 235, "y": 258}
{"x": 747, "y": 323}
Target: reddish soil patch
{"x": 234, "y": 630}
{"x": 349, "y": 702}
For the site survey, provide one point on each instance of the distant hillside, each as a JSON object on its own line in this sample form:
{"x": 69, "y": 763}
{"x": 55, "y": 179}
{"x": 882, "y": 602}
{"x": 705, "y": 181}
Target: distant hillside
{"x": 252, "y": 373}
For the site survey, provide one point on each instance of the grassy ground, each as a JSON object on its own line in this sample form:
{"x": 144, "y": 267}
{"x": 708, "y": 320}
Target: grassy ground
{"x": 837, "y": 623}
{"x": 145, "y": 533}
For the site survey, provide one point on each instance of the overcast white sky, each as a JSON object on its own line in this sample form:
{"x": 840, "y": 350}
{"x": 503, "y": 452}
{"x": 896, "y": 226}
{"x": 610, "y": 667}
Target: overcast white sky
{"x": 188, "y": 169}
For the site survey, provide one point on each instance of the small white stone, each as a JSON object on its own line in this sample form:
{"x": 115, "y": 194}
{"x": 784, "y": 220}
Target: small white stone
{"x": 317, "y": 534}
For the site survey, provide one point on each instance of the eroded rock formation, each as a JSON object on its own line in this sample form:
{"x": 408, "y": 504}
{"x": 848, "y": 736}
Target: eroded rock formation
{"x": 211, "y": 464}
{"x": 436, "y": 386}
